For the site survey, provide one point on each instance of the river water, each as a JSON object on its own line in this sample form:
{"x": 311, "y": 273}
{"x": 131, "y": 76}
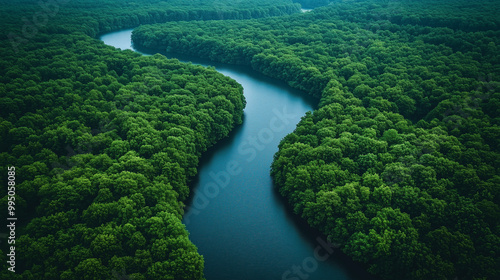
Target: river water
{"x": 240, "y": 224}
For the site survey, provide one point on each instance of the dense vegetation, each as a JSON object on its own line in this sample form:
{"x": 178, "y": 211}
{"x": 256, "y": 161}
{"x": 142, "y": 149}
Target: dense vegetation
{"x": 104, "y": 145}
{"x": 105, "y": 142}
{"x": 400, "y": 163}
{"x": 87, "y": 16}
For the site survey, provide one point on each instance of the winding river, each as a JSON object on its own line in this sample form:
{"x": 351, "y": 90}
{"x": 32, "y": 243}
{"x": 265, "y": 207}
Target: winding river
{"x": 239, "y": 223}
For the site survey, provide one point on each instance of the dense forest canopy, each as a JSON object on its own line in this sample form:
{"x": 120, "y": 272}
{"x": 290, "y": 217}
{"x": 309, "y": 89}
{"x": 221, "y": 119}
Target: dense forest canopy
{"x": 400, "y": 163}
{"x": 104, "y": 142}
{"x": 26, "y": 18}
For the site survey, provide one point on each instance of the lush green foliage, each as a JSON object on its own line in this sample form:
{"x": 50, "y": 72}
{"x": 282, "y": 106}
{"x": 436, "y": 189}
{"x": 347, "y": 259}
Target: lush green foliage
{"x": 105, "y": 142}
{"x": 409, "y": 200}
{"x": 400, "y": 163}
{"x": 414, "y": 67}
{"x": 90, "y": 17}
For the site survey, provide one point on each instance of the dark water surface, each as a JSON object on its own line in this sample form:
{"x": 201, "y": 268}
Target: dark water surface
{"x": 237, "y": 220}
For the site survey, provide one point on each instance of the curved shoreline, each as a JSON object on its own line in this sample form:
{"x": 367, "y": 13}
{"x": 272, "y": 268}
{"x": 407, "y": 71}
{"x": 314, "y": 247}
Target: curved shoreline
{"x": 210, "y": 192}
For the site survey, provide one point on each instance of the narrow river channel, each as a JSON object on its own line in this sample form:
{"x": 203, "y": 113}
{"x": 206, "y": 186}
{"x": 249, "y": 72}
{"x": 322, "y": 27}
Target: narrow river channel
{"x": 239, "y": 223}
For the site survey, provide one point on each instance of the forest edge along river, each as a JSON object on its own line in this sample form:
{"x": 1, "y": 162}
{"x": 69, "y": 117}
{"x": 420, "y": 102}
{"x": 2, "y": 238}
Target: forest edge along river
{"x": 241, "y": 225}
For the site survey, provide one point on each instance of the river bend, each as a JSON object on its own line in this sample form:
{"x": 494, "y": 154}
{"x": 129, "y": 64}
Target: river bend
{"x": 239, "y": 223}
